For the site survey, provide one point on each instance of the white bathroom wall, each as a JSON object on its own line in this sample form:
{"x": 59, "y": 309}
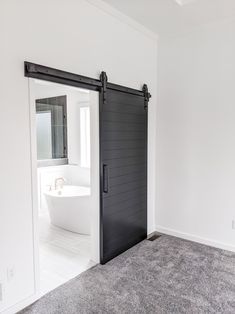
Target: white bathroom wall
{"x": 73, "y": 127}
{"x": 196, "y": 135}
{"x": 76, "y": 173}
{"x": 75, "y": 36}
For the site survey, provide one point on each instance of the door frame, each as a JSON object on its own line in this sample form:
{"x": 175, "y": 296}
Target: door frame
{"x": 94, "y": 173}
{"x": 36, "y": 71}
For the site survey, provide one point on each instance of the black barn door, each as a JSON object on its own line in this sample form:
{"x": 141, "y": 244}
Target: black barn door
{"x": 123, "y": 158}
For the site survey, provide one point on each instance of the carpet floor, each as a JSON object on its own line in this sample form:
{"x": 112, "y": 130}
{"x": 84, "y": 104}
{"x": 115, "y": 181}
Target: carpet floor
{"x": 168, "y": 275}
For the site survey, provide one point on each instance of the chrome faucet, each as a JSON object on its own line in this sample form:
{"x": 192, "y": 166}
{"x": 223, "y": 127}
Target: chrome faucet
{"x": 59, "y": 182}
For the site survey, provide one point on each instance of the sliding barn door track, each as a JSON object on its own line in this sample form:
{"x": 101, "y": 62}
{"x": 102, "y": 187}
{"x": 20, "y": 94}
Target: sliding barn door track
{"x": 42, "y": 72}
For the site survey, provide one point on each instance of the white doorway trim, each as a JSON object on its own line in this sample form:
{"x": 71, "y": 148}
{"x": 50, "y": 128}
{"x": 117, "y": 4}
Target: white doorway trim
{"x": 95, "y": 224}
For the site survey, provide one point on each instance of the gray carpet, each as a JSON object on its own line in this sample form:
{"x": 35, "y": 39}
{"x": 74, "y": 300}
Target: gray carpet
{"x": 168, "y": 275}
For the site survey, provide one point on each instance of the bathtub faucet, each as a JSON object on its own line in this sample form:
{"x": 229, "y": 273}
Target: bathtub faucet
{"x": 59, "y": 182}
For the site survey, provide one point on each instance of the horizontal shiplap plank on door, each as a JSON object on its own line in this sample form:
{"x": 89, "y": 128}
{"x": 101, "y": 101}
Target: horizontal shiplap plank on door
{"x": 124, "y": 155}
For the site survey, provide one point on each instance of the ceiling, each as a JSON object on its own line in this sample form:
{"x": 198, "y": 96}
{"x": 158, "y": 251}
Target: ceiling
{"x": 168, "y": 18}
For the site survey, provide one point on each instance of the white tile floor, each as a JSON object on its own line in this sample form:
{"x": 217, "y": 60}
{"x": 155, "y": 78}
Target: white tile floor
{"x": 63, "y": 255}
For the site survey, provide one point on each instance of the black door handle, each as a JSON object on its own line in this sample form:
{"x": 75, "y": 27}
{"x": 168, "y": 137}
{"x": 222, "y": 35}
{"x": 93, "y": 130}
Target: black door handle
{"x": 105, "y": 179}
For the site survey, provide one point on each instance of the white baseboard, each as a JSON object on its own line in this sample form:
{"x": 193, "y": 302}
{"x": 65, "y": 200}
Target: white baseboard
{"x": 195, "y": 238}
{"x": 21, "y": 305}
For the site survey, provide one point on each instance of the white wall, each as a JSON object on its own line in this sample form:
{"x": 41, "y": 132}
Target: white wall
{"x": 74, "y": 36}
{"x": 196, "y": 135}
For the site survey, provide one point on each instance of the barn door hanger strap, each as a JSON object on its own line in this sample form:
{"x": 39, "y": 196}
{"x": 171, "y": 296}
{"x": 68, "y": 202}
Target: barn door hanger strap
{"x": 104, "y": 80}
{"x": 147, "y": 95}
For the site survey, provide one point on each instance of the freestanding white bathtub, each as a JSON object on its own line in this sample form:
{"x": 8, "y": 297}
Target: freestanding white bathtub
{"x": 70, "y": 208}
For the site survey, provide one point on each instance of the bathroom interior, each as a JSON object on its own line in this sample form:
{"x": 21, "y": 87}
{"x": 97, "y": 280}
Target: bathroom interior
{"x": 67, "y": 180}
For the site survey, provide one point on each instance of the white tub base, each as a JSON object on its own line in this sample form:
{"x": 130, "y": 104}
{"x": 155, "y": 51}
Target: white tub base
{"x": 70, "y": 208}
